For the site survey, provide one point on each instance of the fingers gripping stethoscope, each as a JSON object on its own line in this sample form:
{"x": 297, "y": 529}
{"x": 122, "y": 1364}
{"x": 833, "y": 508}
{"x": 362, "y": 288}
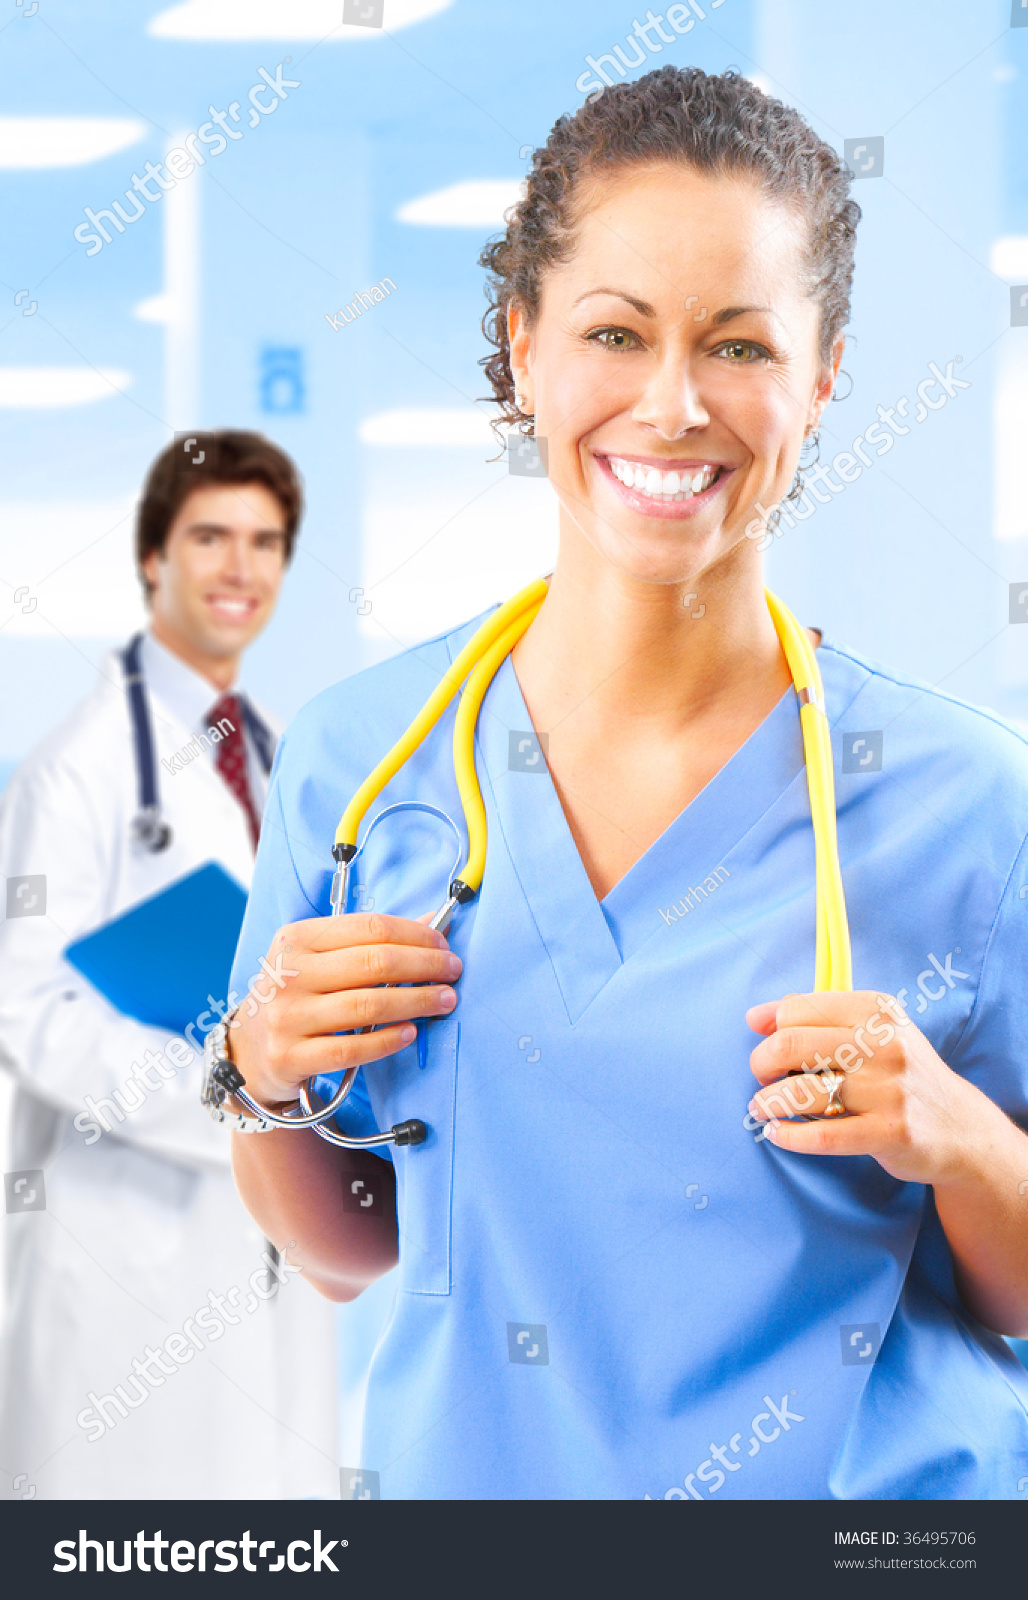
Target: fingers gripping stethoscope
{"x": 308, "y": 1113}
{"x": 478, "y": 662}
{"x": 440, "y": 921}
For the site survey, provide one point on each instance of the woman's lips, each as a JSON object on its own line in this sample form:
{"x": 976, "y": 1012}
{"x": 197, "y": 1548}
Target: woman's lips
{"x": 664, "y": 505}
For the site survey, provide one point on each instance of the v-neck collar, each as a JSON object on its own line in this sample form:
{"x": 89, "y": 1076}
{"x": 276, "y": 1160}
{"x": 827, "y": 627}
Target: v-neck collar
{"x": 588, "y": 940}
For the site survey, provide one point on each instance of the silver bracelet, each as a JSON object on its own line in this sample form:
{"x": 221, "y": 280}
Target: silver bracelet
{"x": 219, "y": 1073}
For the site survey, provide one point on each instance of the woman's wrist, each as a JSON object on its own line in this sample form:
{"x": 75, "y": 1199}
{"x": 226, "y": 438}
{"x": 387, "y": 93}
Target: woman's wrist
{"x": 235, "y": 1106}
{"x": 982, "y": 1134}
{"x": 229, "y": 1052}
{"x": 238, "y": 1048}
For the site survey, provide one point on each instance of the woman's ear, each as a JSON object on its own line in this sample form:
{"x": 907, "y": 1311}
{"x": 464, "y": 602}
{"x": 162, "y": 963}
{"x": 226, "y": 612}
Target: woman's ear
{"x": 519, "y": 340}
{"x": 827, "y": 382}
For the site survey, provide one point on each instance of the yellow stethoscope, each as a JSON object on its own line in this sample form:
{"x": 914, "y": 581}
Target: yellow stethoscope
{"x": 478, "y": 662}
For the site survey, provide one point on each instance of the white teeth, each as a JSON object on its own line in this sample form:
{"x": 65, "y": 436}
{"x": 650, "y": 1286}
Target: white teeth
{"x": 655, "y": 484}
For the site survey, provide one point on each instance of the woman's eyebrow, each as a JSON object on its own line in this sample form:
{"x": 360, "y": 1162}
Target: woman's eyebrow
{"x": 643, "y": 308}
{"x": 721, "y": 317}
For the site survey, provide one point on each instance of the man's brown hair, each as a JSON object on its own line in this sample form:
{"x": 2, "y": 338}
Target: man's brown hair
{"x": 195, "y": 461}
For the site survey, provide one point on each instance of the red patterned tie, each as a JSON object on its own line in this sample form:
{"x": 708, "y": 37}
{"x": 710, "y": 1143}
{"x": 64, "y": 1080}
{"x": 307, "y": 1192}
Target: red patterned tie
{"x": 230, "y": 756}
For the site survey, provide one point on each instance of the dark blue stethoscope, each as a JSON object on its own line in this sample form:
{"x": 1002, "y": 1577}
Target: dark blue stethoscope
{"x": 149, "y": 829}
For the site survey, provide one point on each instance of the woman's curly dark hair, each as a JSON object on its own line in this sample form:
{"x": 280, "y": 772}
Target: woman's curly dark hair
{"x": 718, "y": 124}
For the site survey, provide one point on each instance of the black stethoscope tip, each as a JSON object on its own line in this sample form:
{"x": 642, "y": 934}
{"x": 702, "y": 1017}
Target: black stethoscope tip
{"x": 412, "y": 1132}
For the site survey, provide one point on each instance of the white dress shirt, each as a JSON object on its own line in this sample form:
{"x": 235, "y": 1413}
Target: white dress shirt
{"x": 190, "y": 697}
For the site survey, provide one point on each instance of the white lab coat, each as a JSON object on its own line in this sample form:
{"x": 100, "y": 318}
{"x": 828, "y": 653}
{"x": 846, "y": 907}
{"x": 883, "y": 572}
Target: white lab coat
{"x": 141, "y": 1224}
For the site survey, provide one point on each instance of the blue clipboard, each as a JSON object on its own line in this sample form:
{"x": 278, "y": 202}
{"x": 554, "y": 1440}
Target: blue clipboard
{"x": 159, "y": 961}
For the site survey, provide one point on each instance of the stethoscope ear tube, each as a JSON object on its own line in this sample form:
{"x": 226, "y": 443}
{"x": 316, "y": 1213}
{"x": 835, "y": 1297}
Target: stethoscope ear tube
{"x": 149, "y": 827}
{"x": 412, "y": 1132}
{"x": 833, "y": 968}
{"x": 231, "y": 1081}
{"x": 528, "y": 599}
{"x": 303, "y": 1115}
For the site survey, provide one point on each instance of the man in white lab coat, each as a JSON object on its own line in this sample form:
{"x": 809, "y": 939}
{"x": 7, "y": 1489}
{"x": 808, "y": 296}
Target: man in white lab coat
{"x": 154, "y": 1346}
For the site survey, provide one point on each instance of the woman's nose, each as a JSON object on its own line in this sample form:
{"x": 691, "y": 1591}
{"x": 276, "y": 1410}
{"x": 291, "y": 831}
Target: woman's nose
{"x": 671, "y": 402}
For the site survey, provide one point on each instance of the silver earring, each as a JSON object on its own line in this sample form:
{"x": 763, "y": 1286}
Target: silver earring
{"x": 811, "y": 441}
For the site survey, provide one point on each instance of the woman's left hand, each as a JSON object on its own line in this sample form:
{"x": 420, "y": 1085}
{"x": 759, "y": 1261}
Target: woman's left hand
{"x": 904, "y": 1105}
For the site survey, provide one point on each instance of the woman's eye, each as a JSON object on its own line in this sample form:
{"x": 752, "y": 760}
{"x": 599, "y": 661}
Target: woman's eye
{"x": 613, "y": 338}
{"x": 743, "y": 350}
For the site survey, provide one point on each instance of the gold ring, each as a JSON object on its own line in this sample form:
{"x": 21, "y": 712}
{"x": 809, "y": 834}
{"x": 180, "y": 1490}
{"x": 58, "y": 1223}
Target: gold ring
{"x": 835, "y": 1107}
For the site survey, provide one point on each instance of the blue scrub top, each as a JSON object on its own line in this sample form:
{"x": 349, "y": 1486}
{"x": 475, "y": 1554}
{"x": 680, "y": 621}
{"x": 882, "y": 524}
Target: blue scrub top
{"x": 610, "y": 1286}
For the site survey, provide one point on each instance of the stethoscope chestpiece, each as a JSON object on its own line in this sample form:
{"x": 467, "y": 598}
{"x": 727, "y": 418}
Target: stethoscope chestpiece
{"x": 150, "y": 831}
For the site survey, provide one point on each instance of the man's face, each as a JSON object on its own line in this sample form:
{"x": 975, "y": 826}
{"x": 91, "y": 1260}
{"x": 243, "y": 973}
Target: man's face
{"x": 215, "y": 583}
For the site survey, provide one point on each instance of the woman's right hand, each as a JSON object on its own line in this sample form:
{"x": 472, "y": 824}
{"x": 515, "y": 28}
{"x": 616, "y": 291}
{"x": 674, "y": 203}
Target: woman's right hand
{"x": 334, "y": 970}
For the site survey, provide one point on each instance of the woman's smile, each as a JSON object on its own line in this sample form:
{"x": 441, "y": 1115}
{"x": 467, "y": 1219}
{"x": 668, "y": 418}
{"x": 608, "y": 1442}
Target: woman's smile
{"x": 654, "y": 486}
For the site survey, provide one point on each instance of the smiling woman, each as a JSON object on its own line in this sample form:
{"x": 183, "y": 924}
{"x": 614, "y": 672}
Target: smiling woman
{"x": 668, "y": 306}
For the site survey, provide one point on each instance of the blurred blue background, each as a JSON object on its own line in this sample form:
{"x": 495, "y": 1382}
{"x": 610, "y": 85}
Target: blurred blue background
{"x": 394, "y": 157}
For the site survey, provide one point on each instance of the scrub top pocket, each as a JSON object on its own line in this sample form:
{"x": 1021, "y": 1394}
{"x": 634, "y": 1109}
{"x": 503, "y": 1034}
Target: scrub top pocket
{"x": 424, "y": 1172}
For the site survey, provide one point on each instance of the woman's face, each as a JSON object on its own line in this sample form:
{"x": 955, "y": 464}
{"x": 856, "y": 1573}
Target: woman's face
{"x": 673, "y": 368}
